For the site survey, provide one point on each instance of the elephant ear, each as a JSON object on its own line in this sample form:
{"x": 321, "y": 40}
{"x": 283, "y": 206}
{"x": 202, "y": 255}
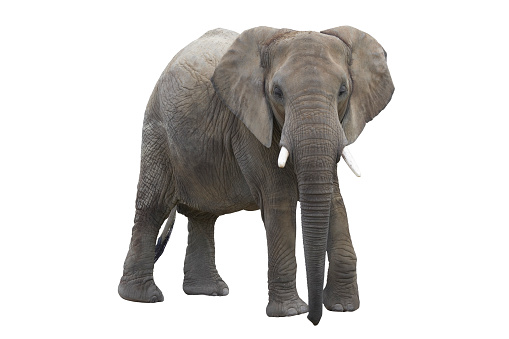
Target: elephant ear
{"x": 372, "y": 83}
{"x": 239, "y": 81}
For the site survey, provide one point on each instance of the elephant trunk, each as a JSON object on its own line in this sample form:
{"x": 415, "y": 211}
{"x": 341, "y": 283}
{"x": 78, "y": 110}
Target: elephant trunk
{"x": 315, "y": 191}
{"x": 315, "y": 145}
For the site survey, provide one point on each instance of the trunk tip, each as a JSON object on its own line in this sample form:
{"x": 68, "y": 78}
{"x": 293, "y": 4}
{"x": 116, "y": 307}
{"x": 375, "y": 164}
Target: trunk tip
{"x": 315, "y": 318}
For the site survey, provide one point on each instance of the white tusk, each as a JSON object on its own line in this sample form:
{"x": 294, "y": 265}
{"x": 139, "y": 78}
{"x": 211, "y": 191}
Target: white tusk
{"x": 350, "y": 162}
{"x": 283, "y": 156}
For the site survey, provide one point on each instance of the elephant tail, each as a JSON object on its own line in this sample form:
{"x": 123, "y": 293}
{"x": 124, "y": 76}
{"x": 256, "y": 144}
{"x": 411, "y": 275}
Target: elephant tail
{"x": 165, "y": 235}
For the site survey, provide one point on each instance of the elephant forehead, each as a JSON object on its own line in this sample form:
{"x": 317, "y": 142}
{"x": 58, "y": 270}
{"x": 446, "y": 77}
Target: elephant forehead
{"x": 310, "y": 47}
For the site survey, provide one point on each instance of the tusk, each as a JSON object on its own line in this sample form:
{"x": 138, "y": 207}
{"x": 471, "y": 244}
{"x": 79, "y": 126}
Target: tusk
{"x": 283, "y": 156}
{"x": 350, "y": 162}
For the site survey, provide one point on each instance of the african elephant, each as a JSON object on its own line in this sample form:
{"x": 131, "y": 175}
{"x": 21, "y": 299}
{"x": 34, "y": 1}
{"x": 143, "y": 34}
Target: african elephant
{"x": 257, "y": 121}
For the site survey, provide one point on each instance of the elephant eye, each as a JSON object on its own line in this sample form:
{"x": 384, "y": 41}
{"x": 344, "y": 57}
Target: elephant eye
{"x": 278, "y": 93}
{"x": 342, "y": 90}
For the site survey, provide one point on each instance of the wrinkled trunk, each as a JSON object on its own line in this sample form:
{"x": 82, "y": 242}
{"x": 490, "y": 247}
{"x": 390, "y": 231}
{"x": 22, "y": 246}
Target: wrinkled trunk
{"x": 315, "y": 190}
{"x": 314, "y": 138}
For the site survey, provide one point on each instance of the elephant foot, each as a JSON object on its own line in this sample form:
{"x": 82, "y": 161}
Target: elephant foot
{"x": 211, "y": 286}
{"x": 140, "y": 289}
{"x": 341, "y": 298}
{"x": 286, "y": 308}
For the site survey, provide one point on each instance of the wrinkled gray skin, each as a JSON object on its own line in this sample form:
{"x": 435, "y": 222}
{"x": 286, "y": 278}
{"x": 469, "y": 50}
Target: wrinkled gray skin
{"x": 212, "y": 133}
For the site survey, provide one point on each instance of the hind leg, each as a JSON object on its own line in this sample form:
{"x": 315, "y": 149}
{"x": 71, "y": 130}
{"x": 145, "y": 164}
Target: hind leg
{"x": 200, "y": 273}
{"x": 154, "y": 202}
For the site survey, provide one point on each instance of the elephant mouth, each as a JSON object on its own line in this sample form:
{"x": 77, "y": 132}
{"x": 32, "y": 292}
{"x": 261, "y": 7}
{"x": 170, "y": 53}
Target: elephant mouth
{"x": 346, "y": 155}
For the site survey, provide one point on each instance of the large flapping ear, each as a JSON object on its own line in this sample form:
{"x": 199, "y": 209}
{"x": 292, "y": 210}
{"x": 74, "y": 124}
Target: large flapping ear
{"x": 239, "y": 81}
{"x": 372, "y": 83}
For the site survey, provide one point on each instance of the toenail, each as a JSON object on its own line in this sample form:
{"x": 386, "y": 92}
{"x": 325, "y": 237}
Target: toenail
{"x": 338, "y": 307}
{"x": 291, "y": 311}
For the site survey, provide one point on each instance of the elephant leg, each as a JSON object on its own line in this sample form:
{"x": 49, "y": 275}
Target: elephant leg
{"x": 341, "y": 292}
{"x": 154, "y": 202}
{"x": 200, "y": 273}
{"x": 280, "y": 228}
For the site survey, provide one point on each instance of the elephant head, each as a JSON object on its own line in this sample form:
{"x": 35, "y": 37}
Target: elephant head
{"x": 321, "y": 89}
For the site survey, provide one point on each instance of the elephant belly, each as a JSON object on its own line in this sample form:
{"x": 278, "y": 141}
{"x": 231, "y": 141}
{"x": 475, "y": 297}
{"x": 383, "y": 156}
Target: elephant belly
{"x": 206, "y": 187}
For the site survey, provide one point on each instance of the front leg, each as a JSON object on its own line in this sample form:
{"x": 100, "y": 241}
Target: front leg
{"x": 279, "y": 219}
{"x": 341, "y": 292}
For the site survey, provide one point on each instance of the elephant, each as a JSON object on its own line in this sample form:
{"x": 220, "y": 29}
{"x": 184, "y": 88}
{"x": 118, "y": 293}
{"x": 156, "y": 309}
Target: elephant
{"x": 257, "y": 120}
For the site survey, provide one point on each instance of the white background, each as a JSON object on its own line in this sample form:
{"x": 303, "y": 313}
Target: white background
{"x": 428, "y": 217}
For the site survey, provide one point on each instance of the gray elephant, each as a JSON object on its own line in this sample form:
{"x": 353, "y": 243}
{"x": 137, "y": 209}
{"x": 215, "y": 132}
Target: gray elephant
{"x": 222, "y": 111}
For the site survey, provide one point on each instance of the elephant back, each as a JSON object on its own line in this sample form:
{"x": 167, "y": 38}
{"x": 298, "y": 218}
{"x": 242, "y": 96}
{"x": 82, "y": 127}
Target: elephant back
{"x": 188, "y": 74}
